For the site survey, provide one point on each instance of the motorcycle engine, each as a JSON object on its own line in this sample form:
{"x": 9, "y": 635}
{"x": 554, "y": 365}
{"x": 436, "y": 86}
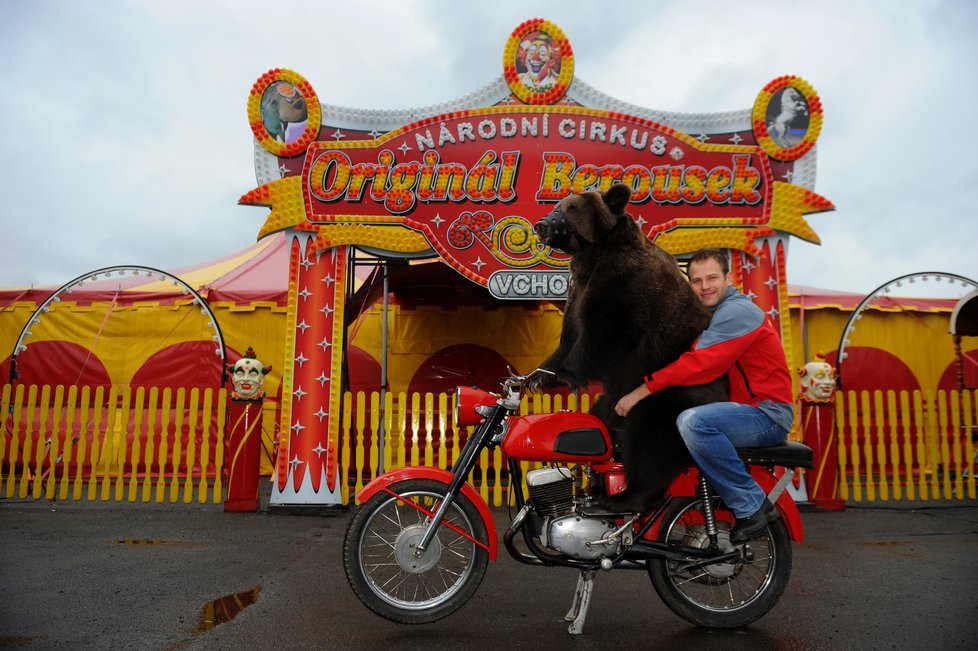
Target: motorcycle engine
{"x": 559, "y": 527}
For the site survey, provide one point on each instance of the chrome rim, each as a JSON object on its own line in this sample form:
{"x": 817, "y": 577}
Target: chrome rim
{"x": 394, "y": 573}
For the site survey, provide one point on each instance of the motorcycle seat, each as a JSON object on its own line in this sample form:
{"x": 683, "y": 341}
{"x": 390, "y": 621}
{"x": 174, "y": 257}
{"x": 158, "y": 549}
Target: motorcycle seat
{"x": 789, "y": 454}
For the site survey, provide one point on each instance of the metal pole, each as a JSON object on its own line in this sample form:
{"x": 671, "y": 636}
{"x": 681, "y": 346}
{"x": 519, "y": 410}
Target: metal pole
{"x": 381, "y": 435}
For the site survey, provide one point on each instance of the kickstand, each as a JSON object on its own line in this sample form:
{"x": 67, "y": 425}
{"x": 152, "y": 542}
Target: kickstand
{"x": 582, "y": 601}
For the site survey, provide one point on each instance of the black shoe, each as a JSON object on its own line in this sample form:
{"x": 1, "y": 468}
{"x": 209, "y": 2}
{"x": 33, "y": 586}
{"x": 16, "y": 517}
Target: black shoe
{"x": 754, "y": 525}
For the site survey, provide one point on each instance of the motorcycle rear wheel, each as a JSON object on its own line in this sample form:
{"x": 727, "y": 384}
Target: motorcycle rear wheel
{"x": 723, "y": 595}
{"x": 385, "y": 574}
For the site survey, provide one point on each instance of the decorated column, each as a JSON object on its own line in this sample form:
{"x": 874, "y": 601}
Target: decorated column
{"x": 817, "y": 404}
{"x": 243, "y": 439}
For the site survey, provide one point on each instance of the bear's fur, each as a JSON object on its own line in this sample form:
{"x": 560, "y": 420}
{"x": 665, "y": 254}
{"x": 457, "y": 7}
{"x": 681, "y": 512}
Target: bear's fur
{"x": 629, "y": 311}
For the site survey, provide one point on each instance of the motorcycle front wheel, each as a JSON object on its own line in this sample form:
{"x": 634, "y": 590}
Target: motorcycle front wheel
{"x": 387, "y": 575}
{"x": 722, "y": 595}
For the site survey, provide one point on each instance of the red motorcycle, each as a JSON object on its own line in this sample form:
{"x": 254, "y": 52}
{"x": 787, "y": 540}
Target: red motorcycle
{"x": 418, "y": 545}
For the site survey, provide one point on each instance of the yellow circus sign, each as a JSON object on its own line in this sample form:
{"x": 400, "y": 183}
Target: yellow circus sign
{"x": 466, "y": 182}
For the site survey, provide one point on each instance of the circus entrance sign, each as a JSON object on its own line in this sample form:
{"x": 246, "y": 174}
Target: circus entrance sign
{"x": 467, "y": 180}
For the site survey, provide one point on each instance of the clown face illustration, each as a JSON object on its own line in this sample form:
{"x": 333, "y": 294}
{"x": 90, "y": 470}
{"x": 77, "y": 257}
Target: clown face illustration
{"x": 541, "y": 61}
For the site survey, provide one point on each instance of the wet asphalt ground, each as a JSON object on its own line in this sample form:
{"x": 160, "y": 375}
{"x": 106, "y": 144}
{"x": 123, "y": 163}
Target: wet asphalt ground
{"x": 120, "y": 576}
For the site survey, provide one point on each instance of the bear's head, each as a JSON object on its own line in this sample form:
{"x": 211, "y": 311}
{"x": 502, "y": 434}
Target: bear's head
{"x": 580, "y": 220}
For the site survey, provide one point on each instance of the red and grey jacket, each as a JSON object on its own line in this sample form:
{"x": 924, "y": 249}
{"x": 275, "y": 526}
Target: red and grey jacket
{"x": 743, "y": 344}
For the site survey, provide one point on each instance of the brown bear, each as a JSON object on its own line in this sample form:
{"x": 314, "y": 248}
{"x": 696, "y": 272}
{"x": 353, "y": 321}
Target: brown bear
{"x": 629, "y": 311}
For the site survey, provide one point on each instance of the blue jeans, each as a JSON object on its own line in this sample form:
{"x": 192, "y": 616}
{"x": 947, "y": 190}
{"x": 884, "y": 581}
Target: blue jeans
{"x": 711, "y": 433}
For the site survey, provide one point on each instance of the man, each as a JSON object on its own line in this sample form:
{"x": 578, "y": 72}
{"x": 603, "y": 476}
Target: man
{"x": 741, "y": 343}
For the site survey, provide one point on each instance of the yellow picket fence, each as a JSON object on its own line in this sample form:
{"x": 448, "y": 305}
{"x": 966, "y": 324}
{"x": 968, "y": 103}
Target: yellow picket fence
{"x": 120, "y": 445}
{"x": 916, "y": 445}
{"x": 420, "y": 430}
{"x": 166, "y": 445}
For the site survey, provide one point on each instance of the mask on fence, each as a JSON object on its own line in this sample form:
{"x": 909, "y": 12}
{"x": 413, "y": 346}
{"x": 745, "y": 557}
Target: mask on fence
{"x": 248, "y": 376}
{"x": 817, "y": 381}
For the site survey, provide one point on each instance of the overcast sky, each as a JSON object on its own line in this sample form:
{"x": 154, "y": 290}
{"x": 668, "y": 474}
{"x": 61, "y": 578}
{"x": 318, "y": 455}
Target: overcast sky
{"x": 126, "y": 139}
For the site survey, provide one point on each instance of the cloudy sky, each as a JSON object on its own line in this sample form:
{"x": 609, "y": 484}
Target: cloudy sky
{"x": 126, "y": 138}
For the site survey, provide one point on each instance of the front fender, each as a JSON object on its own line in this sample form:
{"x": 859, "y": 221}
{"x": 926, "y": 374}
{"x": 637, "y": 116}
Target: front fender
{"x": 437, "y": 474}
{"x": 686, "y": 483}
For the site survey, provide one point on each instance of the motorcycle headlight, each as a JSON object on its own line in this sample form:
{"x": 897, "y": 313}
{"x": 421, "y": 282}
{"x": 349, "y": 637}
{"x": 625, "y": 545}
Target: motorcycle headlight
{"x": 472, "y": 405}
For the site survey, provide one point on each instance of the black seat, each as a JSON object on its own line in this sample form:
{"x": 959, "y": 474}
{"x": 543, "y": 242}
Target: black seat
{"x": 788, "y": 454}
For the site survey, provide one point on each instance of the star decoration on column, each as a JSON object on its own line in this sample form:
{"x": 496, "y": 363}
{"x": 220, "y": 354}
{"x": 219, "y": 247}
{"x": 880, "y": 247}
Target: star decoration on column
{"x": 283, "y": 170}
{"x": 736, "y": 139}
{"x": 375, "y": 134}
{"x": 298, "y": 393}
{"x": 338, "y": 135}
{"x": 305, "y": 293}
{"x": 295, "y": 462}
{"x": 771, "y": 282}
{"x": 301, "y": 359}
{"x": 321, "y": 414}
{"x": 306, "y": 263}
{"x": 319, "y": 449}
{"x": 788, "y": 176}
{"x": 322, "y": 379}
{"x": 702, "y": 137}
{"x": 405, "y": 148}
{"x": 303, "y": 326}
{"x": 326, "y": 310}
{"x": 478, "y": 264}
{"x": 773, "y": 313}
{"x": 325, "y": 343}
{"x": 748, "y": 266}
{"x": 298, "y": 427}
{"x": 328, "y": 280}
{"x": 751, "y": 295}
{"x": 437, "y": 220}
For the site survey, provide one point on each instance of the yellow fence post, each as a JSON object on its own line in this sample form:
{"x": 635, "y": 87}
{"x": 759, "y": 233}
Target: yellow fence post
{"x": 121, "y": 442}
{"x": 205, "y": 443}
{"x": 945, "y": 435}
{"x": 222, "y": 414}
{"x": 908, "y": 464}
{"x": 154, "y": 395}
{"x": 840, "y": 428}
{"x": 970, "y": 402}
{"x": 878, "y": 415}
{"x": 374, "y": 431}
{"x": 164, "y": 447}
{"x": 4, "y": 417}
{"x": 28, "y": 439}
{"x": 177, "y": 454}
{"x": 188, "y": 483}
{"x": 389, "y": 438}
{"x": 442, "y": 430}
{"x": 69, "y": 444}
{"x": 137, "y": 433}
{"x": 346, "y": 446}
{"x": 53, "y": 441}
{"x": 358, "y": 437}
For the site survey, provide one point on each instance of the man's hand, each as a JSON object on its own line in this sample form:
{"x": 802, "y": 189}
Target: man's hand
{"x": 629, "y": 400}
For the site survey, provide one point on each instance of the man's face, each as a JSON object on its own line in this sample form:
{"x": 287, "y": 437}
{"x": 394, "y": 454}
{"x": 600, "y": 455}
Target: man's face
{"x": 708, "y": 281}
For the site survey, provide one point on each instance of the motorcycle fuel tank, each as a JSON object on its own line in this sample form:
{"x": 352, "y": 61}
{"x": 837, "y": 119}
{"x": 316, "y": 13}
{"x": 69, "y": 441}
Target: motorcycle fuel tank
{"x": 562, "y": 436}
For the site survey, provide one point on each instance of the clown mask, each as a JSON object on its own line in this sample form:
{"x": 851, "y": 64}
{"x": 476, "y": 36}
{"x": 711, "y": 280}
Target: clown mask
{"x": 247, "y": 376}
{"x": 817, "y": 382}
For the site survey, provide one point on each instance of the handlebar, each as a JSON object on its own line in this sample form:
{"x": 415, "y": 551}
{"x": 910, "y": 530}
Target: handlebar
{"x": 515, "y": 383}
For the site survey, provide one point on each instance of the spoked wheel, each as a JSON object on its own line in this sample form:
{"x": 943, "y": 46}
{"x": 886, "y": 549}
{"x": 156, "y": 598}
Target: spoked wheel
{"x": 380, "y": 560}
{"x": 722, "y": 595}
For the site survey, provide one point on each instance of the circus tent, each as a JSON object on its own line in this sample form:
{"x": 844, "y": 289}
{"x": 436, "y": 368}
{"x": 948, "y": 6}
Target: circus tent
{"x": 442, "y": 330}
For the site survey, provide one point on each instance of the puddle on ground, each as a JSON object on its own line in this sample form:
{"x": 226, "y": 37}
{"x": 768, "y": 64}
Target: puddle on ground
{"x": 15, "y": 641}
{"x": 225, "y": 609}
